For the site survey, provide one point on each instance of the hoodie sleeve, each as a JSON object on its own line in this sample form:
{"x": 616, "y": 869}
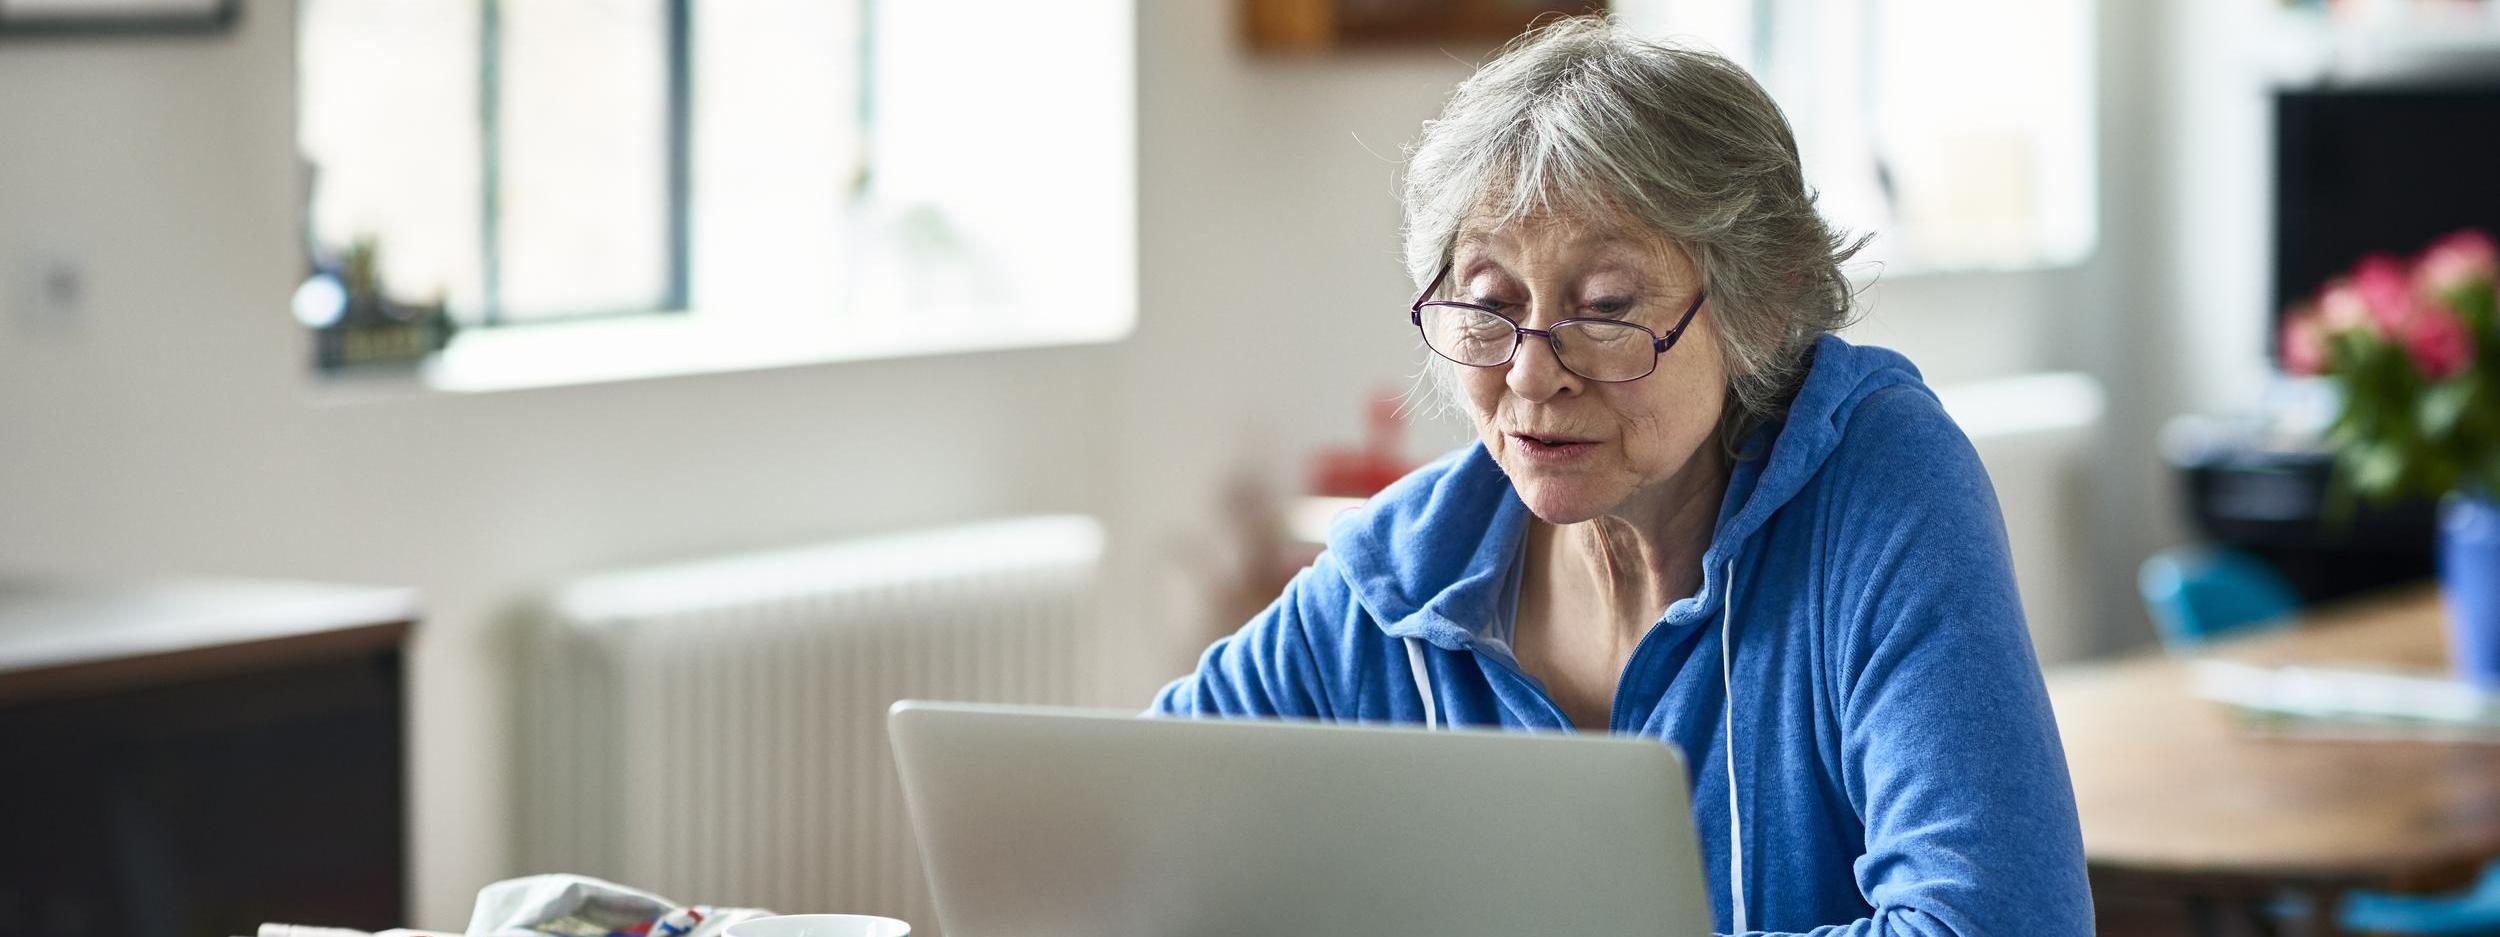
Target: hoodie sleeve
{"x": 1267, "y": 669}
{"x": 1949, "y": 751}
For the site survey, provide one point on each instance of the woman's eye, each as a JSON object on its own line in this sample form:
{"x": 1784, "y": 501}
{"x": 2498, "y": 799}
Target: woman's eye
{"x": 1611, "y": 308}
{"x": 1495, "y": 306}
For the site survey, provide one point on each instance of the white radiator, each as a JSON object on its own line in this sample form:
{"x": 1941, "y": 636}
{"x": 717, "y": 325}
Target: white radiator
{"x": 715, "y": 731}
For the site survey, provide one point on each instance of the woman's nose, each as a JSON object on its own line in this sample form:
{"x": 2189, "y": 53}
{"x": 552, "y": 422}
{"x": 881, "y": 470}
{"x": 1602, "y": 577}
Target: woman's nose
{"x": 1535, "y": 373}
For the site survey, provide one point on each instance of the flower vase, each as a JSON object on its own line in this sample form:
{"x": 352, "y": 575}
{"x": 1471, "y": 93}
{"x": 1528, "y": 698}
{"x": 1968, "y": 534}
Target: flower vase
{"x": 2469, "y": 577}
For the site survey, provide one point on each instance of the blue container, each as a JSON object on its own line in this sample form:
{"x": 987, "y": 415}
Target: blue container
{"x": 2469, "y": 575}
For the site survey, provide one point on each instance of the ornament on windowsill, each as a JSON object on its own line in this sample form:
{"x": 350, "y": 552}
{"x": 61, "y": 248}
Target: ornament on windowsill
{"x": 356, "y": 322}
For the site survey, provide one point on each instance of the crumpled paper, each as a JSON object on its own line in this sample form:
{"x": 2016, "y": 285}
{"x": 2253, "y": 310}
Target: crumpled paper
{"x": 565, "y": 905}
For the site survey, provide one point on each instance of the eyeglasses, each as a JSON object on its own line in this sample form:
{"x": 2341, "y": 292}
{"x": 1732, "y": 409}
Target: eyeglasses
{"x": 1608, "y": 351}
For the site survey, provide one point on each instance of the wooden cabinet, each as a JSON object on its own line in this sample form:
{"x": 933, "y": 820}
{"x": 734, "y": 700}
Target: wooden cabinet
{"x": 196, "y": 758}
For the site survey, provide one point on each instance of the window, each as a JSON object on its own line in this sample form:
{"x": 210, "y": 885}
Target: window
{"x": 796, "y": 178}
{"x": 1959, "y": 132}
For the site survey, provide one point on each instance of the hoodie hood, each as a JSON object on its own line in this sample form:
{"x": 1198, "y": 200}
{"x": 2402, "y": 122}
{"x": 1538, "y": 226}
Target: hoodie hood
{"x": 1433, "y": 556}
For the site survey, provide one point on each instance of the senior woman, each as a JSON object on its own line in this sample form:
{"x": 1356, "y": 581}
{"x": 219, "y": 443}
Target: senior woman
{"x": 1691, "y": 514}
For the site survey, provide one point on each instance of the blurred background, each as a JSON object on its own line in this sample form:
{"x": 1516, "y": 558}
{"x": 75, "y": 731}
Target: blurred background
{"x": 681, "y": 381}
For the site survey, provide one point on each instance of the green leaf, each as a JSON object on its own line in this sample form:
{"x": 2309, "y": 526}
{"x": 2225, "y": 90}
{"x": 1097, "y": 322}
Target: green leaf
{"x": 2443, "y": 406}
{"x": 2378, "y": 468}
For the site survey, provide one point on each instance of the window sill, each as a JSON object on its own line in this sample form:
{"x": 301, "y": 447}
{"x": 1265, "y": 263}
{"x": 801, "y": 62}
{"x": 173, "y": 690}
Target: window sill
{"x": 660, "y": 346}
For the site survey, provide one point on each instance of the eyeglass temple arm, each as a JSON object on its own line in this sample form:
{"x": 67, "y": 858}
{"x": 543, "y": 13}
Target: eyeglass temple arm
{"x": 1418, "y": 308}
{"x": 1662, "y": 343}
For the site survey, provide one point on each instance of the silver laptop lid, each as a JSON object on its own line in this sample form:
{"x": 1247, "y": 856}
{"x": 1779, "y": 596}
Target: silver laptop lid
{"x": 1064, "y": 823}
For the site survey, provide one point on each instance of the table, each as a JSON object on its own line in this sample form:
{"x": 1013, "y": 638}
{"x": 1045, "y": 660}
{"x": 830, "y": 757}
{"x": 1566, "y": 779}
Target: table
{"x": 198, "y": 756}
{"x": 2175, "y": 799}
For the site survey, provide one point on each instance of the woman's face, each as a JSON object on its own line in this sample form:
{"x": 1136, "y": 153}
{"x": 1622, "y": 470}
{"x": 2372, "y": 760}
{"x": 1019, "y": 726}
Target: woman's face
{"x": 1574, "y": 448}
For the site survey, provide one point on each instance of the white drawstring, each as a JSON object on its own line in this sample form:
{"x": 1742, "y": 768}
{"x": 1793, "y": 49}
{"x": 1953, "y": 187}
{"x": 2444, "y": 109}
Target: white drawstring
{"x": 1423, "y": 680}
{"x": 1735, "y": 821}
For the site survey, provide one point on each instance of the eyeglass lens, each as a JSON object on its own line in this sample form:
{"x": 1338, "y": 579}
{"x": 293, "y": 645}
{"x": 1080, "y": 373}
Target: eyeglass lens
{"x": 1596, "y": 350}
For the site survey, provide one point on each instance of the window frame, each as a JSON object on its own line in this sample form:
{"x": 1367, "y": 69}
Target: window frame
{"x": 677, "y": 39}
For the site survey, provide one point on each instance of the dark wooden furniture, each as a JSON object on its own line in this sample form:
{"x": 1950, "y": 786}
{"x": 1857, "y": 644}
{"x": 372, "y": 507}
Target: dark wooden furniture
{"x": 195, "y": 758}
{"x": 2179, "y": 804}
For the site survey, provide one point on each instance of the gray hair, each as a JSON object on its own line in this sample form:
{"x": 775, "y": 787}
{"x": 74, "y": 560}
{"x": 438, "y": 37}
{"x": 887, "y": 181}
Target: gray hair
{"x": 1580, "y": 116}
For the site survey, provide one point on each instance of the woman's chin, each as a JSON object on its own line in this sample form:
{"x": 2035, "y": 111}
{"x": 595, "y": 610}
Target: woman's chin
{"x": 1562, "y": 494}
{"x": 1559, "y": 504}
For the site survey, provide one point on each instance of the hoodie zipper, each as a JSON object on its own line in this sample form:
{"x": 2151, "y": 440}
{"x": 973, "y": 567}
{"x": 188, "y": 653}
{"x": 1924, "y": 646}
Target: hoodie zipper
{"x": 1535, "y": 688}
{"x": 1614, "y": 710}
{"x": 1614, "y": 714}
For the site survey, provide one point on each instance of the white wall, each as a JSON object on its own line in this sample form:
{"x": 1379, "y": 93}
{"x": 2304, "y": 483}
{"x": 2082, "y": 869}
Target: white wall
{"x": 168, "y": 426}
{"x": 1273, "y": 298}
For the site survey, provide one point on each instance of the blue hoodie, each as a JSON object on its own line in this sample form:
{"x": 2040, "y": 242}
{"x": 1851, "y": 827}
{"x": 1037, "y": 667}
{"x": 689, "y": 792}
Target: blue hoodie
{"x": 1896, "y": 768}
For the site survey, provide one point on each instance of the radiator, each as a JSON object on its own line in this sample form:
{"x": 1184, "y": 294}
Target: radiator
{"x": 715, "y": 731}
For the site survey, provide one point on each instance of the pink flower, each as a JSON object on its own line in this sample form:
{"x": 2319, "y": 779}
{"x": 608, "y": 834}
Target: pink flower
{"x": 2341, "y": 309}
{"x": 2438, "y": 342}
{"x": 2304, "y": 343}
{"x": 2461, "y": 259}
{"x": 2386, "y": 289}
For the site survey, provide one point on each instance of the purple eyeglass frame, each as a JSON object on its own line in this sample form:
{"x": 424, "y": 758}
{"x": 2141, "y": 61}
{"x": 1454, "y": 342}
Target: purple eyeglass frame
{"x": 1658, "y": 343}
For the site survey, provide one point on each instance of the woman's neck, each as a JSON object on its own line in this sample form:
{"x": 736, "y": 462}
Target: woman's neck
{"x": 1632, "y": 562}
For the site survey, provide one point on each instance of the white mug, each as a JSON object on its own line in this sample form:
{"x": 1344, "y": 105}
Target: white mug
{"x": 820, "y": 925}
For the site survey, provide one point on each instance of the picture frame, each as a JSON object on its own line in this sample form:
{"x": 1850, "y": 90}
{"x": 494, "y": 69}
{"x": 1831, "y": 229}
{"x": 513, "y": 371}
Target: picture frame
{"x": 75, "y": 18}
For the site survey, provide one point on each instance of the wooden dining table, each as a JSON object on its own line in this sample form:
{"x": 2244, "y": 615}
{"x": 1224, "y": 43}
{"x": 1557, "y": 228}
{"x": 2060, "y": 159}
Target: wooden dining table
{"x": 2181, "y": 802}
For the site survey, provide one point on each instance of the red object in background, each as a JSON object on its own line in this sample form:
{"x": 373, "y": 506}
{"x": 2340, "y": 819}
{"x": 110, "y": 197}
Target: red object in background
{"x": 1361, "y": 473}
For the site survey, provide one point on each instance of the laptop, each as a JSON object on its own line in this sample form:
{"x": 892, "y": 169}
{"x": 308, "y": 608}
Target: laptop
{"x": 1038, "y": 822}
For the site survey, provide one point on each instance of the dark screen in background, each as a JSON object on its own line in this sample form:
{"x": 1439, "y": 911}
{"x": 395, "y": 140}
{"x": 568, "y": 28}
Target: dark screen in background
{"x": 2382, "y": 169}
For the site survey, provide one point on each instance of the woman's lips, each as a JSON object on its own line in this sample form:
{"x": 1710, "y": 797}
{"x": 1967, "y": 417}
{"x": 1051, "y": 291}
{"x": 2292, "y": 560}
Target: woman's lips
{"x": 1551, "y": 450}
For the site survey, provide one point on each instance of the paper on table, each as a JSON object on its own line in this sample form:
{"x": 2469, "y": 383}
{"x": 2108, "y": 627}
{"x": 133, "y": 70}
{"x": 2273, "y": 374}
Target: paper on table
{"x": 2351, "y": 702}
